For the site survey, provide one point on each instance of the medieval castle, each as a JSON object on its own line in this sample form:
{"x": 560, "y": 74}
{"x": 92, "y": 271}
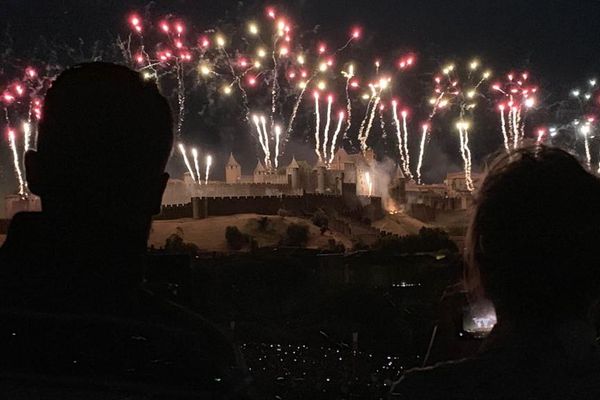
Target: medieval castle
{"x": 349, "y": 178}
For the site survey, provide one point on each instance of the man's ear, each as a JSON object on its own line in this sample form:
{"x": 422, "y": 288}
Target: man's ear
{"x": 33, "y": 172}
{"x": 157, "y": 200}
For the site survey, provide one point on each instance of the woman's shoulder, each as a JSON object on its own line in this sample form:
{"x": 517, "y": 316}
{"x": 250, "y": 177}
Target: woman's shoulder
{"x": 437, "y": 381}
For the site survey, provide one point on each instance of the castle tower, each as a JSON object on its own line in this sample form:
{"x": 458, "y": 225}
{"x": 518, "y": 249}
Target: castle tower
{"x": 259, "y": 173}
{"x": 320, "y": 167}
{"x": 293, "y": 171}
{"x": 398, "y": 186}
{"x": 233, "y": 170}
{"x": 340, "y": 158}
{"x": 369, "y": 156}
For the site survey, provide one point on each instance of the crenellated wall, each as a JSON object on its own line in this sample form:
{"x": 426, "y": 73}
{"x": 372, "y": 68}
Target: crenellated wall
{"x": 202, "y": 207}
{"x": 175, "y": 211}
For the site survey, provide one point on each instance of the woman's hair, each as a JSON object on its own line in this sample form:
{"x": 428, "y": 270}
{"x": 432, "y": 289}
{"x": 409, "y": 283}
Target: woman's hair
{"x": 533, "y": 244}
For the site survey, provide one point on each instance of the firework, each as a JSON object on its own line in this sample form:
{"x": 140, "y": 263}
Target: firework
{"x": 405, "y": 142}
{"x": 13, "y": 147}
{"x": 208, "y": 165}
{"x": 256, "y": 120}
{"x": 186, "y": 161}
{"x": 277, "y": 143}
{"x": 424, "y": 132}
{"x": 586, "y": 96}
{"x": 317, "y": 127}
{"x": 196, "y": 164}
{"x": 585, "y": 131}
{"x": 586, "y": 111}
{"x": 376, "y": 91}
{"x": 382, "y": 121}
{"x": 268, "y": 59}
{"x": 263, "y": 122}
{"x": 27, "y": 136}
{"x": 402, "y": 148}
{"x": 463, "y": 131}
{"x": 540, "y": 135}
{"x": 516, "y": 97}
{"x": 327, "y": 125}
{"x": 335, "y": 135}
{"x": 349, "y": 74}
{"x": 459, "y": 91}
{"x": 260, "y": 123}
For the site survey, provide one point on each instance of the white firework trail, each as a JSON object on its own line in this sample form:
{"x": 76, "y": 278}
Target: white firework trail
{"x": 469, "y": 165}
{"x": 514, "y": 127}
{"x": 421, "y": 151}
{"x": 275, "y": 88}
{"x": 370, "y": 123}
{"x": 540, "y": 136}
{"x": 361, "y": 129}
{"x": 406, "y": 153}
{"x": 196, "y": 164}
{"x": 521, "y": 125}
{"x": 237, "y": 80}
{"x": 399, "y": 135}
{"x": 465, "y": 152}
{"x": 180, "y": 98}
{"x": 349, "y": 75}
{"x": 27, "y": 135}
{"x": 263, "y": 122}
{"x": 187, "y": 161}
{"x": 13, "y": 146}
{"x": 27, "y": 143}
{"x": 208, "y": 165}
{"x": 327, "y": 125}
{"x": 382, "y": 122}
{"x": 504, "y": 132}
{"x": 277, "y": 139}
{"x": 585, "y": 130}
{"x": 376, "y": 92}
{"x": 317, "y": 128}
{"x": 298, "y": 102}
{"x": 256, "y": 120}
{"x": 335, "y": 135}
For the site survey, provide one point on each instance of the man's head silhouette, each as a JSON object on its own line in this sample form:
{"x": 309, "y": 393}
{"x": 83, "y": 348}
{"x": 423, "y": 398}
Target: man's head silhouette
{"x": 534, "y": 240}
{"x": 103, "y": 143}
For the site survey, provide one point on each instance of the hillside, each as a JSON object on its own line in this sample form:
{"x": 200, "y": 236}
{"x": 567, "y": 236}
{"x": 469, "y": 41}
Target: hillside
{"x": 209, "y": 234}
{"x": 399, "y": 224}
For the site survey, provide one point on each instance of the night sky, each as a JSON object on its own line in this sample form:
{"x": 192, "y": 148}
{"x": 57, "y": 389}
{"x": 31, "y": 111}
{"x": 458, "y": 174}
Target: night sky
{"x": 558, "y": 40}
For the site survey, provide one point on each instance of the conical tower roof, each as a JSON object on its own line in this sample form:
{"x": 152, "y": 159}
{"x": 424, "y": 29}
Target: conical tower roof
{"x": 259, "y": 167}
{"x": 341, "y": 154}
{"x": 294, "y": 163}
{"x": 320, "y": 164}
{"x": 232, "y": 161}
{"x": 399, "y": 173}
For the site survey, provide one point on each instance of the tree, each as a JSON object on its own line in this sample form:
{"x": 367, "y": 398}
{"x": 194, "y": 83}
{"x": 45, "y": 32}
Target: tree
{"x": 296, "y": 235}
{"x": 235, "y": 239}
{"x": 321, "y": 220}
{"x": 175, "y": 244}
{"x": 427, "y": 240}
{"x": 263, "y": 223}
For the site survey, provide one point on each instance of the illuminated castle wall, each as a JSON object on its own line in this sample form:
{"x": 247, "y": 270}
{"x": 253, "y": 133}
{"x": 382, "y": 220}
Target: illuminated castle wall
{"x": 292, "y": 180}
